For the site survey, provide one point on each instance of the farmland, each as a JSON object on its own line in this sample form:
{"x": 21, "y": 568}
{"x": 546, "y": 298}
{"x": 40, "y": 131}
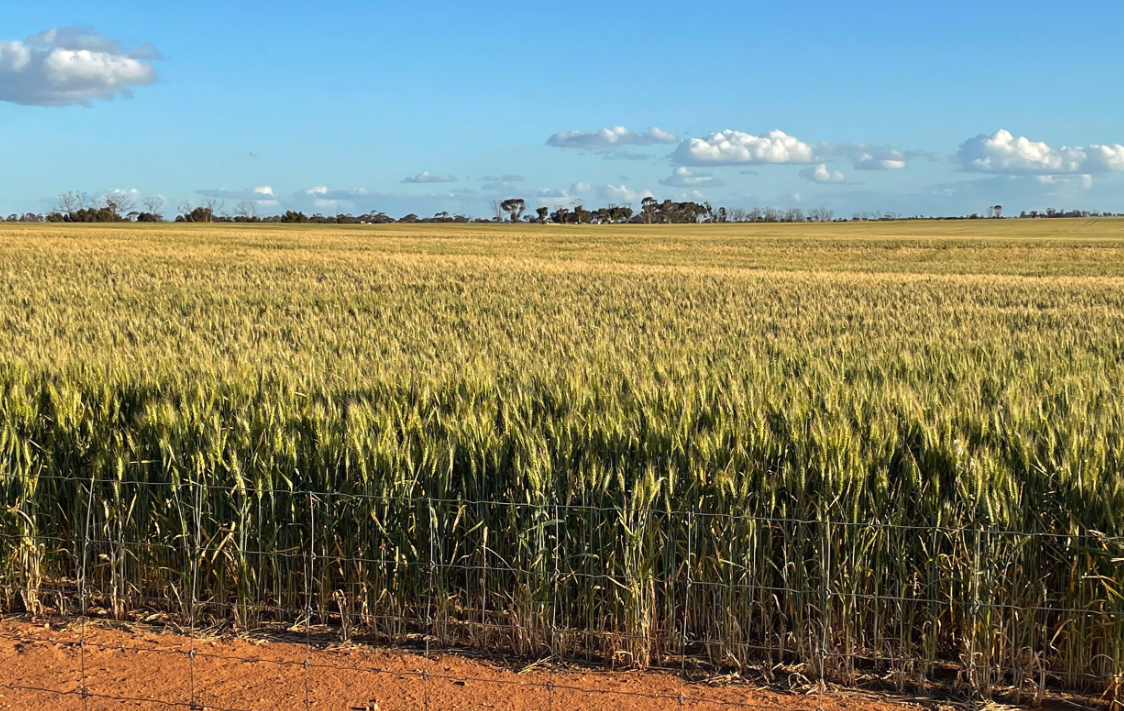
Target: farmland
{"x": 866, "y": 448}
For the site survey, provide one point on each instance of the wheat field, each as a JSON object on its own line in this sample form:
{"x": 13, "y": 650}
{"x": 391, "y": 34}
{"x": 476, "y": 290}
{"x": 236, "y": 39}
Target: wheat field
{"x": 867, "y": 449}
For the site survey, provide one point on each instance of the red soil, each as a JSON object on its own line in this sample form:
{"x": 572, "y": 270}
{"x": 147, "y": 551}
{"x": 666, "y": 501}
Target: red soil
{"x": 41, "y": 668}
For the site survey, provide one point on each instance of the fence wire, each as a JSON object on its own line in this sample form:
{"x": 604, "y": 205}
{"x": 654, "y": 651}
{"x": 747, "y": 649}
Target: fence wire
{"x": 552, "y": 588}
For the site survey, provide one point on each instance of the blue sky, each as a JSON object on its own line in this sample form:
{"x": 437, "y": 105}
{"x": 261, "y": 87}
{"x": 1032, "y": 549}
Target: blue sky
{"x": 330, "y": 106}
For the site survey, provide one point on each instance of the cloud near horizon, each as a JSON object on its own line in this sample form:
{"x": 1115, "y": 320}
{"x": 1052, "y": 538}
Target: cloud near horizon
{"x": 737, "y": 148}
{"x": 821, "y": 174}
{"x": 1003, "y": 153}
{"x": 68, "y": 66}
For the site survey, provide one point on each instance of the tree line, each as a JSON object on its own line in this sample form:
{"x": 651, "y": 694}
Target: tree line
{"x": 75, "y": 206}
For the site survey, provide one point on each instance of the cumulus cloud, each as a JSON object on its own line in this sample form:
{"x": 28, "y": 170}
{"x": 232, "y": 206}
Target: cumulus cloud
{"x": 821, "y": 174}
{"x": 426, "y": 177}
{"x": 1006, "y": 154}
{"x": 72, "y": 65}
{"x": 737, "y": 148}
{"x": 570, "y": 193}
{"x": 686, "y": 178}
{"x": 621, "y": 193}
{"x": 610, "y": 138}
{"x": 864, "y": 156}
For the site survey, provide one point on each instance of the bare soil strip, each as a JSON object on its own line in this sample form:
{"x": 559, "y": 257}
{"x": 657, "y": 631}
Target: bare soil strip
{"x": 41, "y": 669}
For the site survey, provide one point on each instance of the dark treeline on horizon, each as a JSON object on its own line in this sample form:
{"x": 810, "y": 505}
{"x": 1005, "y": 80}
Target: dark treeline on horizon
{"x": 77, "y": 207}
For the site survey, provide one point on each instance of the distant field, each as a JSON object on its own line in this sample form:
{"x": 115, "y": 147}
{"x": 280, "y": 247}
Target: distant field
{"x": 890, "y": 388}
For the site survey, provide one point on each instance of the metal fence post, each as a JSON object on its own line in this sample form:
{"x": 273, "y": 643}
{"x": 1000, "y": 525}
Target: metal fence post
{"x": 83, "y": 593}
{"x": 553, "y": 613}
{"x": 686, "y": 608}
{"x": 825, "y": 566}
{"x": 972, "y": 671}
{"x": 431, "y": 603}
{"x": 311, "y": 571}
{"x": 195, "y": 553}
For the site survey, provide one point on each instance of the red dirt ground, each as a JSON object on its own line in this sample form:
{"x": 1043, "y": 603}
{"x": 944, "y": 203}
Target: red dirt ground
{"x": 138, "y": 669}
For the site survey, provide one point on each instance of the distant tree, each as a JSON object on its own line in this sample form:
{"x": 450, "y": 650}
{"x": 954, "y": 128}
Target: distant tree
{"x": 561, "y": 215}
{"x": 153, "y": 204}
{"x": 998, "y": 210}
{"x": 71, "y": 202}
{"x": 119, "y": 205}
{"x": 542, "y": 212}
{"x": 188, "y": 212}
{"x": 292, "y": 216}
{"x": 247, "y": 210}
{"x": 409, "y": 218}
{"x": 514, "y": 208}
{"x": 581, "y": 215}
{"x": 497, "y": 211}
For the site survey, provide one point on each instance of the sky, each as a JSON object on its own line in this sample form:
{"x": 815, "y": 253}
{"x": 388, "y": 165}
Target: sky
{"x": 354, "y": 106}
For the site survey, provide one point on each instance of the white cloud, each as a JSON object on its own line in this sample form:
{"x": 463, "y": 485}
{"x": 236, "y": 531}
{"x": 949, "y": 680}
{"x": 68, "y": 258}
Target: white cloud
{"x": 610, "y": 138}
{"x": 1005, "y": 154}
{"x": 71, "y": 65}
{"x": 1105, "y": 159}
{"x": 555, "y": 195}
{"x": 621, "y": 193}
{"x": 821, "y": 174}
{"x": 686, "y": 178}
{"x": 737, "y": 148}
{"x": 426, "y": 177}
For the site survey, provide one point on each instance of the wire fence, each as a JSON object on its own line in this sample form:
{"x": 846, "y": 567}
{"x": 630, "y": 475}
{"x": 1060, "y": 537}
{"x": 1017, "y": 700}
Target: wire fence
{"x": 973, "y": 612}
